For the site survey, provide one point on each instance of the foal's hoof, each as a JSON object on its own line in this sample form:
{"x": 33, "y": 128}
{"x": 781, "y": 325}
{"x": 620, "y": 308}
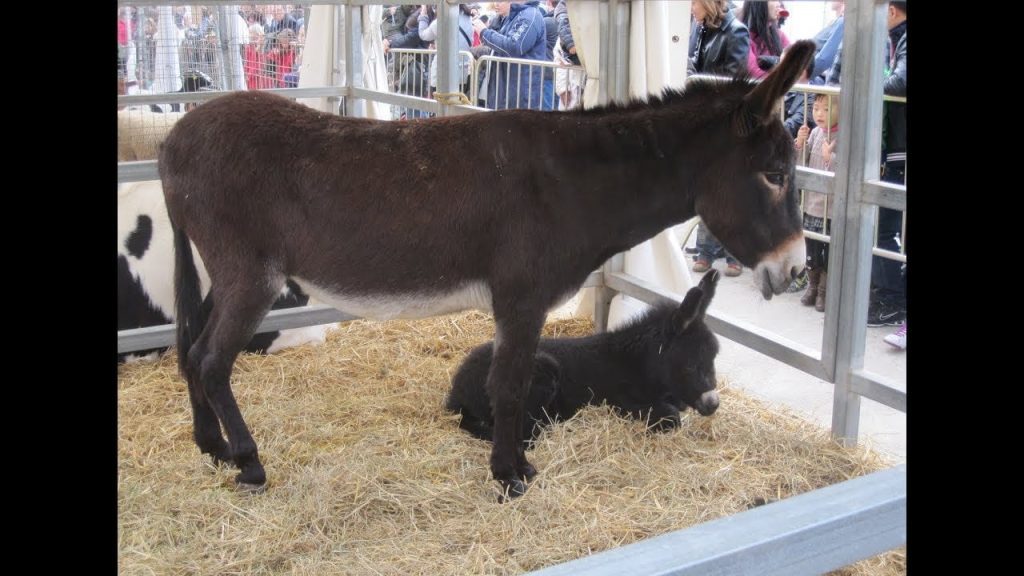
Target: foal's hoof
{"x": 511, "y": 489}
{"x": 527, "y": 471}
{"x": 252, "y": 480}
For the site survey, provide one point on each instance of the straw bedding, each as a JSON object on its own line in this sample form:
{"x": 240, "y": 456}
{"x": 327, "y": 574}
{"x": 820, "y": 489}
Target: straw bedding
{"x": 368, "y": 474}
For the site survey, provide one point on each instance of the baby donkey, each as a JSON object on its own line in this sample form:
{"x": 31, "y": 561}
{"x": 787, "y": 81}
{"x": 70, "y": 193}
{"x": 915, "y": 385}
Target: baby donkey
{"x": 658, "y": 364}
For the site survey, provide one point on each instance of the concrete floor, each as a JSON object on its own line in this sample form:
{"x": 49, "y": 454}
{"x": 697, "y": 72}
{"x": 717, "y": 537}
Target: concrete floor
{"x": 782, "y": 387}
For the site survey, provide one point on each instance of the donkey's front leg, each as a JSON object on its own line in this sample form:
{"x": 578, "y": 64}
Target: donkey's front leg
{"x": 508, "y": 384}
{"x": 664, "y": 416}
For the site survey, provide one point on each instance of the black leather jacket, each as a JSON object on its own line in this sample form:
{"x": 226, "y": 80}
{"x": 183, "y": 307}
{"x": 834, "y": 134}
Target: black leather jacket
{"x": 721, "y": 50}
{"x": 896, "y": 85}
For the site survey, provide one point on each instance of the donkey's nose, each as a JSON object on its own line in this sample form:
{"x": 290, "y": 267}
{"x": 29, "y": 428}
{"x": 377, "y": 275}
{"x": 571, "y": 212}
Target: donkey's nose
{"x": 707, "y": 404}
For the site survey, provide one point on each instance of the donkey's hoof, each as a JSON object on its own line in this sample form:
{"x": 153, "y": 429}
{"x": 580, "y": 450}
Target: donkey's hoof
{"x": 247, "y": 488}
{"x": 252, "y": 480}
{"x": 511, "y": 489}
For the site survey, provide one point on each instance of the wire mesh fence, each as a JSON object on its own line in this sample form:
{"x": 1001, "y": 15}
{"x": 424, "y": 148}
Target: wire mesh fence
{"x": 163, "y": 49}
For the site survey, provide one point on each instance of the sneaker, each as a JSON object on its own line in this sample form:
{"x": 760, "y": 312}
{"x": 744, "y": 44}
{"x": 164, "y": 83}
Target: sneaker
{"x": 701, "y": 266}
{"x": 882, "y": 314}
{"x": 799, "y": 284}
{"x": 899, "y": 337}
{"x": 733, "y": 270}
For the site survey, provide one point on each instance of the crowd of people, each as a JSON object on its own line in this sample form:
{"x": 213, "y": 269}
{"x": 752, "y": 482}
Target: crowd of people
{"x": 529, "y": 30}
{"x": 268, "y": 39}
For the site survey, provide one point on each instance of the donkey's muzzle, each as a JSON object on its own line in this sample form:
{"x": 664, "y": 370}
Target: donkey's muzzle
{"x": 707, "y": 403}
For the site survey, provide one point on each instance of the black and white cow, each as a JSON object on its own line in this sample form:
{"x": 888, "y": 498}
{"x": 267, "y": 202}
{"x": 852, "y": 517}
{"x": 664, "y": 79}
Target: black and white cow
{"x": 145, "y": 274}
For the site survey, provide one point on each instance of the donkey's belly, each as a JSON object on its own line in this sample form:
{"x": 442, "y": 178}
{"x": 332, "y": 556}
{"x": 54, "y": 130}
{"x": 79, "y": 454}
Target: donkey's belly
{"x": 404, "y": 305}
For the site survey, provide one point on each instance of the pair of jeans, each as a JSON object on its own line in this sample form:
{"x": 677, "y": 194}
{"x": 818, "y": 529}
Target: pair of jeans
{"x": 548, "y": 96}
{"x": 888, "y": 283}
{"x": 709, "y": 248}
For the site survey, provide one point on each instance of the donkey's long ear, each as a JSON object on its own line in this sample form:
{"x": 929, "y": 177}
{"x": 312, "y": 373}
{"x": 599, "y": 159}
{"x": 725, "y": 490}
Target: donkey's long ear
{"x": 762, "y": 103}
{"x": 707, "y": 286}
{"x": 688, "y": 311}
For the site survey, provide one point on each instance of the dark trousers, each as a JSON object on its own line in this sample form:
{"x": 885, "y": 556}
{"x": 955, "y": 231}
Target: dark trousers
{"x": 709, "y": 248}
{"x": 888, "y": 283}
{"x": 817, "y": 251}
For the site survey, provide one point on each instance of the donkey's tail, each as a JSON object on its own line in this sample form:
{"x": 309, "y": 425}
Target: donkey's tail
{"x": 188, "y": 297}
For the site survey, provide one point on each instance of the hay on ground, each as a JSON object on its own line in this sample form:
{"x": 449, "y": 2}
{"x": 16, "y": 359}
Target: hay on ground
{"x": 368, "y": 474}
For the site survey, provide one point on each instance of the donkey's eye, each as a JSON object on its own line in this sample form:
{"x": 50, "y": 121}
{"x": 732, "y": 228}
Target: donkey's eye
{"x": 775, "y": 178}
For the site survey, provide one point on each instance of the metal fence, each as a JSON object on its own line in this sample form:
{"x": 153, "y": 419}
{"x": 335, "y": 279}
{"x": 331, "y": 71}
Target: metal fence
{"x": 412, "y": 71}
{"x": 192, "y": 48}
{"x": 505, "y": 83}
{"x": 558, "y": 86}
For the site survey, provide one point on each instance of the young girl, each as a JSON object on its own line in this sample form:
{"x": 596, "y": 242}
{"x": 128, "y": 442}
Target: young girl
{"x": 281, "y": 57}
{"x": 821, "y": 147}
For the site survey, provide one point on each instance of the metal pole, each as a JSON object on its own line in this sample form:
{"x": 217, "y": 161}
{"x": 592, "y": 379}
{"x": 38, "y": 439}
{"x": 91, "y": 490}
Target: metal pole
{"x": 227, "y": 37}
{"x": 854, "y": 220}
{"x": 614, "y": 86}
{"x": 353, "y": 56}
{"x": 447, "y": 57}
{"x": 605, "y": 51}
{"x": 337, "y": 54}
{"x": 620, "y": 58}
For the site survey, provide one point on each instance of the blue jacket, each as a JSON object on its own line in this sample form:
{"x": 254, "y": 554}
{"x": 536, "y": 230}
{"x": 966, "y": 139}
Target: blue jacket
{"x": 522, "y": 35}
{"x": 827, "y": 41}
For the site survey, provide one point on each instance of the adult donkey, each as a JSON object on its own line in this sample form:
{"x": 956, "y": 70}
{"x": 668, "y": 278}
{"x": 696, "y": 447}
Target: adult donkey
{"x": 506, "y": 211}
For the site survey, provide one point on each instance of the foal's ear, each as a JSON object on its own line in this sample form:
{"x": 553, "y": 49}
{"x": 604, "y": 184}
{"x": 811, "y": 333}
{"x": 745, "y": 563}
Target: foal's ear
{"x": 762, "y": 103}
{"x": 707, "y": 286}
{"x": 689, "y": 310}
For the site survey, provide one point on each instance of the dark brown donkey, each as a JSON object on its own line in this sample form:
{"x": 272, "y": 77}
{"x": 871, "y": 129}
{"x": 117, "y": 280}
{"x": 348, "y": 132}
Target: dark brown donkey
{"x": 505, "y": 211}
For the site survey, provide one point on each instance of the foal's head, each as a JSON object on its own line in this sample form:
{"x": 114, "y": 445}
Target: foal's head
{"x": 685, "y": 354}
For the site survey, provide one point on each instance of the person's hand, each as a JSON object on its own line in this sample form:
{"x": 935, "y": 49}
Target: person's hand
{"x": 572, "y": 50}
{"x": 828, "y": 150}
{"x": 801, "y": 136}
{"x": 393, "y": 9}
{"x": 479, "y": 26}
{"x": 387, "y": 44}
{"x": 423, "y": 9}
{"x": 767, "y": 62}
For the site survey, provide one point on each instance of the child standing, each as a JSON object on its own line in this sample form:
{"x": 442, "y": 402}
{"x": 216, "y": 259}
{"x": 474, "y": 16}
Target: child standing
{"x": 253, "y": 59}
{"x": 821, "y": 146}
{"x": 280, "y": 58}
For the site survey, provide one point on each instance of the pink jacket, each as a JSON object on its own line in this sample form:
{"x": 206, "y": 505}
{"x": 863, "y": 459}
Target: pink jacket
{"x": 756, "y": 49}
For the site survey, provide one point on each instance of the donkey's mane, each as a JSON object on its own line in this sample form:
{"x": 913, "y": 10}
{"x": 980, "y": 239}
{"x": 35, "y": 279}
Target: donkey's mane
{"x": 700, "y": 88}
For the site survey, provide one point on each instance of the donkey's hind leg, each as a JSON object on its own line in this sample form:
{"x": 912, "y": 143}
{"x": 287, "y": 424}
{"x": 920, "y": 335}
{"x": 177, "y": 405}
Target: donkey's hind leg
{"x": 232, "y": 322}
{"x": 205, "y": 426}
